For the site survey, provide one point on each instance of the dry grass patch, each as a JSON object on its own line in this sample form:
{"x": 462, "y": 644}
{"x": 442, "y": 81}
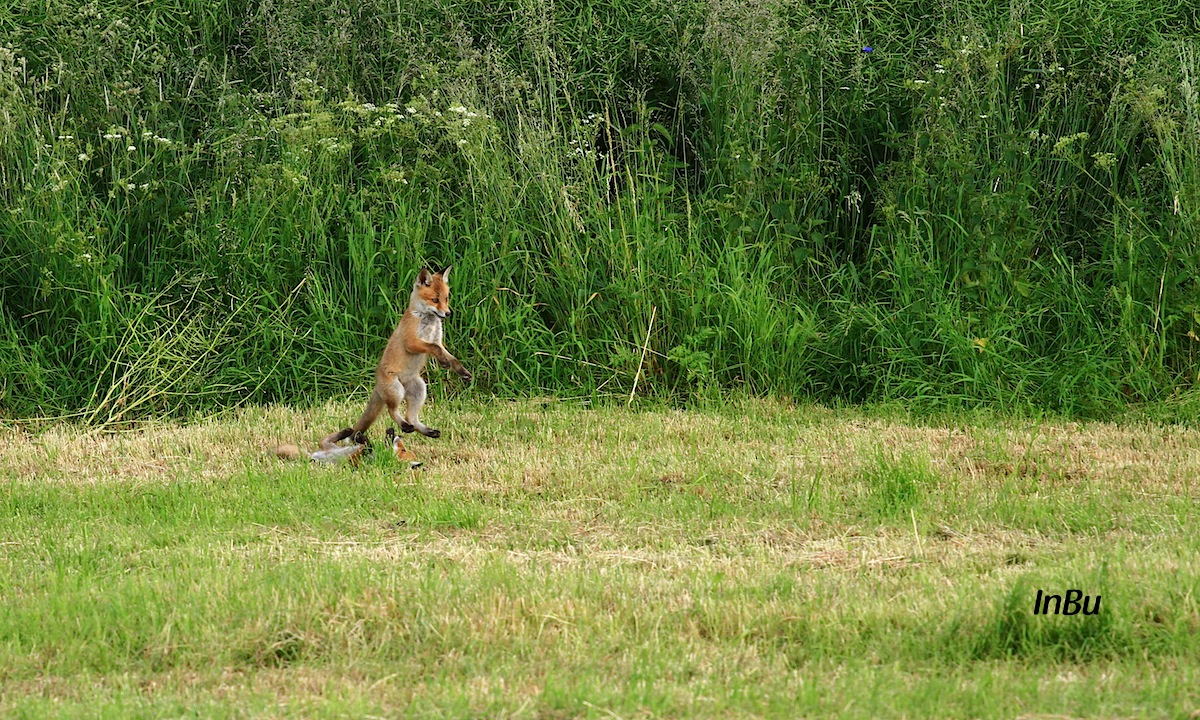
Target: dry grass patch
{"x": 540, "y": 443}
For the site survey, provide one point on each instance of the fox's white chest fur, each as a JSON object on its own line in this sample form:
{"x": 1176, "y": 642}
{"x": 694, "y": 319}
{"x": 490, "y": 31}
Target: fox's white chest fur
{"x": 429, "y": 328}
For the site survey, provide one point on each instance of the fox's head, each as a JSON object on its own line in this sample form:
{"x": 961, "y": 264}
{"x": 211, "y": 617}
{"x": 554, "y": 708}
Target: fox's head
{"x": 431, "y": 292}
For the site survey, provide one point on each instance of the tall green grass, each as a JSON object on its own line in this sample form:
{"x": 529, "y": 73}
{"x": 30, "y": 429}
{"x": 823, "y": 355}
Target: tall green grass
{"x": 212, "y": 203}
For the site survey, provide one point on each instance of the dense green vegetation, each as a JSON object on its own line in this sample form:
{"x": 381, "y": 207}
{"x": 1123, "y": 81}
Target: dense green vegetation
{"x": 204, "y": 203}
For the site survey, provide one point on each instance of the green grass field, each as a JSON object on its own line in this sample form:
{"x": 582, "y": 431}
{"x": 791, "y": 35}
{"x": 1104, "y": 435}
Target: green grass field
{"x": 755, "y": 559}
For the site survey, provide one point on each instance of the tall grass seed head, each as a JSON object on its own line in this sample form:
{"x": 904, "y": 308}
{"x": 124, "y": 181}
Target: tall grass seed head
{"x": 1105, "y": 160}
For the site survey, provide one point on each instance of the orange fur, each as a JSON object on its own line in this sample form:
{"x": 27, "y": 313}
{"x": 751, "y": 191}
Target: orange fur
{"x": 398, "y": 376}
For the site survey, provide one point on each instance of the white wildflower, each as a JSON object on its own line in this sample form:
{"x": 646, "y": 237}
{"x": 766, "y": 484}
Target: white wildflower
{"x": 131, "y": 148}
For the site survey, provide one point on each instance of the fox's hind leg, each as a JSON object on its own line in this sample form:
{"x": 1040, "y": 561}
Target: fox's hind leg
{"x": 415, "y": 392}
{"x": 394, "y": 395}
{"x": 331, "y": 440}
{"x": 374, "y": 407}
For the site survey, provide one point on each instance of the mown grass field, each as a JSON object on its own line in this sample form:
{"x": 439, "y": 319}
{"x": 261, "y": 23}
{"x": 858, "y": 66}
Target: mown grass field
{"x": 755, "y": 559}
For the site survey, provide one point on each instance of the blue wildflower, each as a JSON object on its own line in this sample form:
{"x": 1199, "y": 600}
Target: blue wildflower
{"x": 868, "y": 48}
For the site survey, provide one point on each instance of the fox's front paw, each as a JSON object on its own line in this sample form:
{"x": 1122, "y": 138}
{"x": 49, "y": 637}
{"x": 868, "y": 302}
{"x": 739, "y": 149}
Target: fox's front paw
{"x": 430, "y": 432}
{"x": 464, "y": 373}
{"x": 405, "y": 427}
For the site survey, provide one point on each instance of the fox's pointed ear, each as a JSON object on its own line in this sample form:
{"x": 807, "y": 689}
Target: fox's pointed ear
{"x": 446, "y": 274}
{"x": 423, "y": 276}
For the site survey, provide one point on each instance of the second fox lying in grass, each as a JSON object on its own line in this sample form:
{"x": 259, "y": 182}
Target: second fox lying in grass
{"x": 398, "y": 376}
{"x": 358, "y": 448}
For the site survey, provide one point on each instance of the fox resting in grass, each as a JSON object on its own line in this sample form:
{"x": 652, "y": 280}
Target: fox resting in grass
{"x": 398, "y": 376}
{"x": 353, "y": 453}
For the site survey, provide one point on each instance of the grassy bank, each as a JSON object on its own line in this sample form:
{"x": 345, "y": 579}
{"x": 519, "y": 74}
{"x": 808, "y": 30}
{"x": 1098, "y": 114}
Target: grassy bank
{"x": 210, "y": 203}
{"x": 758, "y": 560}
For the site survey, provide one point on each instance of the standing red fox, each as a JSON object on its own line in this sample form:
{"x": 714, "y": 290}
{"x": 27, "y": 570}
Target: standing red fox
{"x": 398, "y": 376}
